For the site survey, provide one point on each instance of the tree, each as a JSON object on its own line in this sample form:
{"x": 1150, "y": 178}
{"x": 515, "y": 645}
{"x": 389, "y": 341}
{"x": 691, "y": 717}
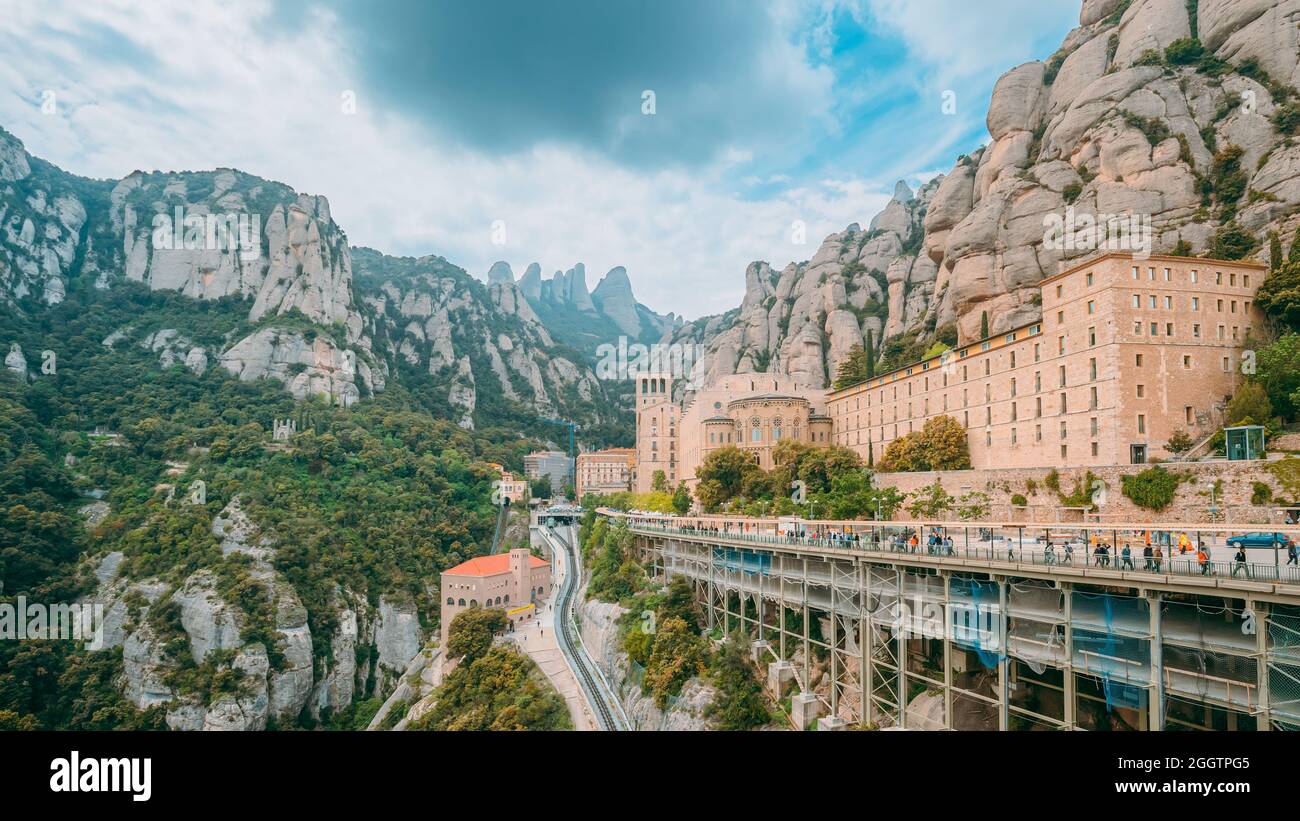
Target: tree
{"x": 1179, "y": 443}
{"x": 739, "y": 703}
{"x": 1293, "y": 254}
{"x": 722, "y": 475}
{"x": 853, "y": 369}
{"x": 869, "y": 355}
{"x": 905, "y": 454}
{"x": 1277, "y": 368}
{"x": 471, "y": 632}
{"x": 540, "y": 488}
{"x": 945, "y": 440}
{"x": 974, "y": 505}
{"x": 678, "y": 655}
{"x": 1249, "y": 405}
{"x": 1274, "y": 251}
{"x": 659, "y": 481}
{"x": 984, "y": 325}
{"x": 1232, "y": 241}
{"x": 940, "y": 445}
{"x": 1279, "y": 295}
{"x": 681, "y": 500}
{"x": 930, "y": 502}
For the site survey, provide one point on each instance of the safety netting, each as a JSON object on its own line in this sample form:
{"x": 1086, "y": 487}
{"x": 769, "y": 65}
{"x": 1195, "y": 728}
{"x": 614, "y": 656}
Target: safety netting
{"x": 1111, "y": 640}
{"x": 975, "y": 614}
{"x": 1284, "y": 666}
{"x": 1207, "y": 654}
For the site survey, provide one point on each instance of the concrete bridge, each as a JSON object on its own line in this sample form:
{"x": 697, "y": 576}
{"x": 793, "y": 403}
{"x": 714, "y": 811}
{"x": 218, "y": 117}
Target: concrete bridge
{"x": 856, "y": 626}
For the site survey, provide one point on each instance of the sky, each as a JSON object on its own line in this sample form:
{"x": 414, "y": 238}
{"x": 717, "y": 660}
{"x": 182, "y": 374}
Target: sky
{"x": 682, "y": 139}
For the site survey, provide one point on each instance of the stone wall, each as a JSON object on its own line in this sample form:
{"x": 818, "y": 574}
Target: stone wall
{"x": 1191, "y": 503}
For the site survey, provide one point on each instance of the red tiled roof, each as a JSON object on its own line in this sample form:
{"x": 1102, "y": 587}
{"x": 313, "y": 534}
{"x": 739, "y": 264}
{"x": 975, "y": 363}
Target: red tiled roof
{"x": 490, "y": 565}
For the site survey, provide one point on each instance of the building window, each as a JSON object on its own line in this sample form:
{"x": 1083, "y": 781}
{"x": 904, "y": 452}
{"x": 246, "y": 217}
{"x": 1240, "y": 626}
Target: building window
{"x": 1187, "y": 362}
{"x": 1062, "y": 375}
{"x": 1141, "y": 391}
{"x": 1092, "y": 337}
{"x": 1013, "y": 436}
{"x": 1092, "y": 306}
{"x": 1013, "y": 386}
{"x": 1093, "y": 399}
{"x": 1142, "y": 423}
{"x": 1137, "y": 300}
{"x": 1138, "y": 360}
{"x": 1196, "y": 303}
{"x": 1088, "y": 278}
{"x": 1196, "y": 330}
{"x": 1151, "y": 301}
{"x": 1155, "y": 329}
{"x": 1060, "y": 345}
{"x": 1038, "y": 433}
{"x": 1137, "y": 327}
{"x": 1095, "y": 426}
{"x": 1169, "y": 303}
{"x": 1094, "y": 448}
{"x": 1038, "y": 406}
{"x": 1194, "y": 276}
{"x": 1060, "y": 317}
{"x": 1092, "y": 369}
{"x": 1036, "y": 352}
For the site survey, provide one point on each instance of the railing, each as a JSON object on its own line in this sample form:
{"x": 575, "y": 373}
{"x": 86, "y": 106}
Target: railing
{"x": 1035, "y": 554}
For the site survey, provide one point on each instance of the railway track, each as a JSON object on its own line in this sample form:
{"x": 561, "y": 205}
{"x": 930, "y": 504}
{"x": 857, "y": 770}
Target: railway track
{"x": 610, "y": 716}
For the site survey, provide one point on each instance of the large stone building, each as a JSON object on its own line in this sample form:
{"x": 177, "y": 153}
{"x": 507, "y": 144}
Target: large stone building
{"x": 1127, "y": 352}
{"x": 750, "y": 411}
{"x": 513, "y": 582}
{"x": 605, "y": 471}
{"x": 554, "y": 464}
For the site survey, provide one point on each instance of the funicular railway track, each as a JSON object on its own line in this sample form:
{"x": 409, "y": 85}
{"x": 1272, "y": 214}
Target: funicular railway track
{"x": 593, "y": 683}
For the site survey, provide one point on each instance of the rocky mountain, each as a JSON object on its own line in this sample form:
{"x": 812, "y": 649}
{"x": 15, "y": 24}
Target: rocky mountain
{"x": 1179, "y": 112}
{"x": 581, "y": 319}
{"x": 219, "y": 234}
{"x": 802, "y": 320}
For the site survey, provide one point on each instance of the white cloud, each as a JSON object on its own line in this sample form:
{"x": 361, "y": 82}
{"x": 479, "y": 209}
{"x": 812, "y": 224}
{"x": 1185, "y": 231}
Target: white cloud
{"x": 222, "y": 92}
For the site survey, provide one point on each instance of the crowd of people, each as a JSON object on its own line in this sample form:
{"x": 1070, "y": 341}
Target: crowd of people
{"x": 1157, "y": 548}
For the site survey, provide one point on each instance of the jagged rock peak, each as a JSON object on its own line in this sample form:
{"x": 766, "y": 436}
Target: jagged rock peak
{"x": 500, "y": 273}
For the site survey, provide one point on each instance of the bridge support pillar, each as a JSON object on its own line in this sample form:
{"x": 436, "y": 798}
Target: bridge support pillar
{"x": 758, "y": 648}
{"x": 831, "y": 724}
{"x": 779, "y": 674}
{"x": 804, "y": 710}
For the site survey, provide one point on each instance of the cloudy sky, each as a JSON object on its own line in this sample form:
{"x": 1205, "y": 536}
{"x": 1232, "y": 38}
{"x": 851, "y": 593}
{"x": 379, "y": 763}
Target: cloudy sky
{"x": 426, "y": 124}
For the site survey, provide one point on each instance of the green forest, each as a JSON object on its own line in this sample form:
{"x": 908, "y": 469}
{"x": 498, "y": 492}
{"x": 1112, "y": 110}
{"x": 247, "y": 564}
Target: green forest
{"x": 378, "y": 498}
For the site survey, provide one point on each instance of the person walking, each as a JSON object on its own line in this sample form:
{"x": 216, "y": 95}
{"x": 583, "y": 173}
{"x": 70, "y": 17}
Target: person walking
{"x": 1068, "y": 558}
{"x": 1049, "y": 554}
{"x": 1157, "y": 558}
{"x": 1292, "y": 553}
{"x": 1147, "y": 553}
{"x": 1239, "y": 563}
{"x": 1126, "y": 558}
{"x": 1203, "y": 559}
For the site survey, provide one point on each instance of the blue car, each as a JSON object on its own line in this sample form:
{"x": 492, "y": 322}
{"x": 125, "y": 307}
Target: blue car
{"x": 1259, "y": 540}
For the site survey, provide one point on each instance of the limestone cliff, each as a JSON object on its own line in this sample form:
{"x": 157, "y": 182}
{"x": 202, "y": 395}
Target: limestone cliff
{"x": 1196, "y": 138}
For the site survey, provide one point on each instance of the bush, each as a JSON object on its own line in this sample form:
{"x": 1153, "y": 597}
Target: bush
{"x": 1260, "y": 493}
{"x": 1184, "y": 51}
{"x": 1152, "y": 489}
{"x": 1019, "y": 500}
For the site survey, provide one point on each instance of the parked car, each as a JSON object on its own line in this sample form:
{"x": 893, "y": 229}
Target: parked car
{"x": 1259, "y": 540}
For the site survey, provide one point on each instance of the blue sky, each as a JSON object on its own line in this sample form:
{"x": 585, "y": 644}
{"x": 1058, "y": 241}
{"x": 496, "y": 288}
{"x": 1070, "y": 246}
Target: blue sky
{"x": 529, "y": 115}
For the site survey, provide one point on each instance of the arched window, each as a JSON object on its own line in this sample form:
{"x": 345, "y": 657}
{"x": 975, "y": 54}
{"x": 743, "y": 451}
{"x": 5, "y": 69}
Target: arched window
{"x": 473, "y": 602}
{"x": 461, "y": 603}
{"x": 450, "y": 600}
{"x": 507, "y": 598}
{"x": 498, "y": 599}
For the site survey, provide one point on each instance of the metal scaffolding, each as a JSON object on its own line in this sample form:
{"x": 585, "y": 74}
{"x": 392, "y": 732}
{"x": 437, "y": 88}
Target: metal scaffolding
{"x": 903, "y": 641}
